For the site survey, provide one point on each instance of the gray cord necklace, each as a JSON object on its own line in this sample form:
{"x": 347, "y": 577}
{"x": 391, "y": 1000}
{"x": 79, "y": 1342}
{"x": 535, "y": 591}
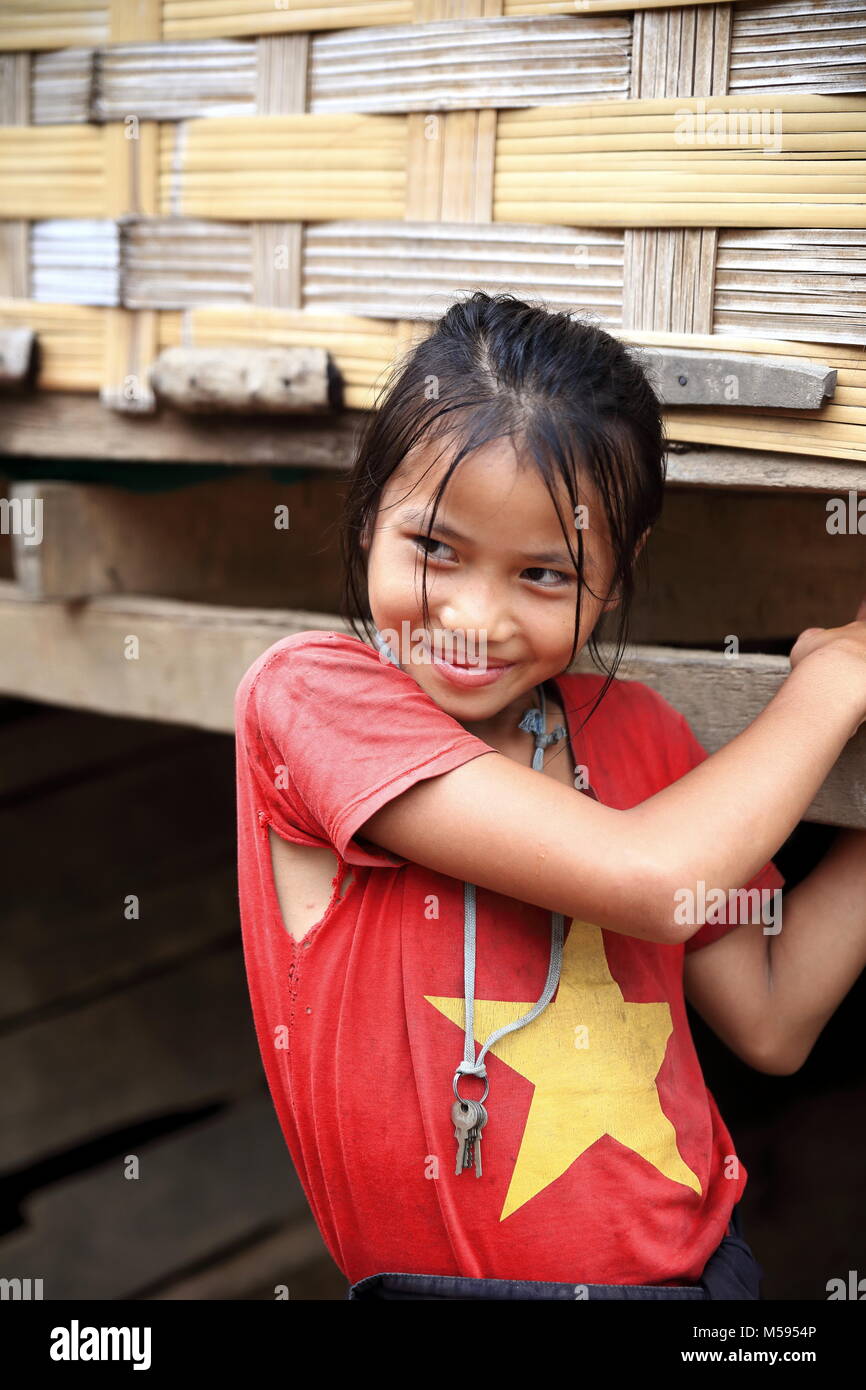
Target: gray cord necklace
{"x": 470, "y": 1116}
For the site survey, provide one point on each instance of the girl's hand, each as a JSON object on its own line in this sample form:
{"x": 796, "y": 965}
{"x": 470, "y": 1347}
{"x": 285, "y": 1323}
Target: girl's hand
{"x": 848, "y": 640}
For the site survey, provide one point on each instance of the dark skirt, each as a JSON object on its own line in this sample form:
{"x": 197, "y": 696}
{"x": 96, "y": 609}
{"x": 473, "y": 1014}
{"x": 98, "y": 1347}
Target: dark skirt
{"x": 731, "y": 1272}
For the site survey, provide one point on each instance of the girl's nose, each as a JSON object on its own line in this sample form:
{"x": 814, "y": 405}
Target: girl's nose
{"x": 479, "y": 618}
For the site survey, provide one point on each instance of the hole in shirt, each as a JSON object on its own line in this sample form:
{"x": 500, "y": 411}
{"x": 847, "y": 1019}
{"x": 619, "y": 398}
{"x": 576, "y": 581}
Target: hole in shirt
{"x": 304, "y": 883}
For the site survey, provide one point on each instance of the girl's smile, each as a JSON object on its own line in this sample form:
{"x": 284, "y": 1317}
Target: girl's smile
{"x": 467, "y": 676}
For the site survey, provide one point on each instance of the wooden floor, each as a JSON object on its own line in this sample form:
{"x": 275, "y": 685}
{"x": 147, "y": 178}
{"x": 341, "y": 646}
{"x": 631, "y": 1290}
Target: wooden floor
{"x": 129, "y": 1042}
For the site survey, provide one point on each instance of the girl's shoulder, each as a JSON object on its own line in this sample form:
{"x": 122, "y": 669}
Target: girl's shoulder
{"x": 289, "y": 657}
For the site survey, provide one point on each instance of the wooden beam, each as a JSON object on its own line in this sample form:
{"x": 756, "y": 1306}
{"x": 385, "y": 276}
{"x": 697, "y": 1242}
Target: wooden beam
{"x": 807, "y": 576}
{"x": 191, "y": 658}
{"x": 67, "y": 425}
{"x": 64, "y": 425}
{"x": 721, "y": 696}
{"x": 208, "y": 1188}
{"x": 240, "y": 539}
{"x": 708, "y": 466}
{"x": 247, "y": 539}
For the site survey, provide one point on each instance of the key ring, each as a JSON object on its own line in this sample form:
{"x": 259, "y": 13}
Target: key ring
{"x": 463, "y": 1100}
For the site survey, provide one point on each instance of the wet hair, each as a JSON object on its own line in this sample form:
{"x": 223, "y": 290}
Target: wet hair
{"x": 571, "y": 399}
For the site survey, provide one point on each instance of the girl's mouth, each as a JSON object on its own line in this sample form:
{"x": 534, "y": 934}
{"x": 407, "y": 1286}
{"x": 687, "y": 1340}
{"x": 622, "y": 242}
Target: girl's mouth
{"x": 467, "y": 676}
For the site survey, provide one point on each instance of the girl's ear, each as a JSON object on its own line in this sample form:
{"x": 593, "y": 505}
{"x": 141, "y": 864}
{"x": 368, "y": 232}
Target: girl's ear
{"x": 642, "y": 542}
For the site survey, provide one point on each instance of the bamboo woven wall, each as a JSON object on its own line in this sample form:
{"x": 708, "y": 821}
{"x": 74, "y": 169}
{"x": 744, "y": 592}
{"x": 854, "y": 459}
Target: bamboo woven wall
{"x": 207, "y": 173}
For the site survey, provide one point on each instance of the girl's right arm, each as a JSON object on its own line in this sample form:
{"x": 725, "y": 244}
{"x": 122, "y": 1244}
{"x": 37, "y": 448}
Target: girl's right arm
{"x": 502, "y": 827}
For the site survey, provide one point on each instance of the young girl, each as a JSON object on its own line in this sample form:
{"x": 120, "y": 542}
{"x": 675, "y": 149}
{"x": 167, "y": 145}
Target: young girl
{"x": 462, "y": 871}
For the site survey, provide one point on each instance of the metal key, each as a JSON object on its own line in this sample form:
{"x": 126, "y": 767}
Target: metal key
{"x": 472, "y": 1156}
{"x": 464, "y": 1113}
{"x": 476, "y": 1137}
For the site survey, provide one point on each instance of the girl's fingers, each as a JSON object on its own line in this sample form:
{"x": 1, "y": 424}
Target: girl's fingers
{"x": 860, "y": 615}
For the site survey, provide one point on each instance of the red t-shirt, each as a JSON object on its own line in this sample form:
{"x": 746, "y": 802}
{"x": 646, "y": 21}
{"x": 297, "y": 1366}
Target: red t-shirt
{"x": 607, "y": 1163}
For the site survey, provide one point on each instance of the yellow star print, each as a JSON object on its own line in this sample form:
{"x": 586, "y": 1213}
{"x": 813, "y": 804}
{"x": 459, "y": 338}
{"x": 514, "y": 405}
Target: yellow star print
{"x": 593, "y": 1060}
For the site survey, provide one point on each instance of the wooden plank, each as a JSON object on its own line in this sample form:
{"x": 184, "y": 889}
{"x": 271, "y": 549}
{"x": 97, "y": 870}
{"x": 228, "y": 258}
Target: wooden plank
{"x": 765, "y": 593}
{"x": 197, "y": 655}
{"x": 242, "y": 539}
{"x": 245, "y": 381}
{"x": 294, "y": 1258}
{"x": 693, "y": 376}
{"x": 175, "y": 1040}
{"x": 710, "y": 467}
{"x": 42, "y": 748}
{"x": 64, "y": 425}
{"x": 130, "y": 833}
{"x": 49, "y": 425}
{"x": 202, "y": 1191}
{"x": 192, "y": 656}
{"x": 720, "y": 697}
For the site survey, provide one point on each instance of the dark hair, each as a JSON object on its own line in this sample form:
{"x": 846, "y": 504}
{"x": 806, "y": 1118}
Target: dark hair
{"x": 567, "y": 394}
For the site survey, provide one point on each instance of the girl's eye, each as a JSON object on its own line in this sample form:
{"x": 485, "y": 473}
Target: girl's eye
{"x": 422, "y": 541}
{"x": 560, "y": 578}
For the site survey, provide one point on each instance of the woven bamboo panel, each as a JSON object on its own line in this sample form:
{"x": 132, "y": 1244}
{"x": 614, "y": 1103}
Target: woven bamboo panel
{"x": 685, "y": 162}
{"x": 53, "y": 171}
{"x": 363, "y": 348}
{"x": 187, "y": 19}
{"x": 806, "y": 284}
{"x": 680, "y": 52}
{"x": 72, "y": 341}
{"x": 44, "y": 24}
{"x": 471, "y": 63}
{"x": 15, "y": 88}
{"x": 812, "y": 45}
{"x": 635, "y": 163}
{"x": 179, "y": 262}
{"x": 305, "y": 167}
{"x": 414, "y": 271}
{"x": 77, "y": 171}
{"x": 28, "y": 24}
{"x": 340, "y": 172}
{"x": 75, "y": 261}
{"x": 668, "y": 271}
{"x": 174, "y": 81}
{"x": 474, "y": 63}
{"x": 381, "y": 269}
{"x": 62, "y": 86}
{"x": 197, "y": 19}
{"x": 539, "y": 7}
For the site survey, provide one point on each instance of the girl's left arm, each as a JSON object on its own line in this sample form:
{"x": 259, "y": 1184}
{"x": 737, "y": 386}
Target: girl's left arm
{"x": 769, "y": 996}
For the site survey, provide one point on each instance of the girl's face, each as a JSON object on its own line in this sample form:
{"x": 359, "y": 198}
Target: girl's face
{"x": 498, "y": 572}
